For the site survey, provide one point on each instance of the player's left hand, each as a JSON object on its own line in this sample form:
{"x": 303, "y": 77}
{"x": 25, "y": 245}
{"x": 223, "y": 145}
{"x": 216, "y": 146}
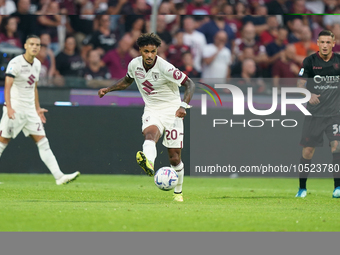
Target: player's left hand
{"x": 41, "y": 112}
{"x": 180, "y": 113}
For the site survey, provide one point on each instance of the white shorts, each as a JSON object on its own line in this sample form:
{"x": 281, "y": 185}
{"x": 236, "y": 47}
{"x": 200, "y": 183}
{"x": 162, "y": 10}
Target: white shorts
{"x": 170, "y": 125}
{"x": 27, "y": 121}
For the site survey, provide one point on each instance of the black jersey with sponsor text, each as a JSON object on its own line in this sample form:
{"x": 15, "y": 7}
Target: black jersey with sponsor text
{"x": 323, "y": 78}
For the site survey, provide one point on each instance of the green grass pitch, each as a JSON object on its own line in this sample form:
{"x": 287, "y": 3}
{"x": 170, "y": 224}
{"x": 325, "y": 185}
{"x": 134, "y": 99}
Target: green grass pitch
{"x": 133, "y": 203}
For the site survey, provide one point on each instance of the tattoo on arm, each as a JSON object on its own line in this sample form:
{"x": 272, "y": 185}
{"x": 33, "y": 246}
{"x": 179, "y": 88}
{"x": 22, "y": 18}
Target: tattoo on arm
{"x": 121, "y": 84}
{"x": 189, "y": 90}
{"x": 301, "y": 83}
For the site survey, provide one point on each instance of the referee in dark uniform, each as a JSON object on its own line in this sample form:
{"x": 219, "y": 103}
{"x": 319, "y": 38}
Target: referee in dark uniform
{"x": 321, "y": 75}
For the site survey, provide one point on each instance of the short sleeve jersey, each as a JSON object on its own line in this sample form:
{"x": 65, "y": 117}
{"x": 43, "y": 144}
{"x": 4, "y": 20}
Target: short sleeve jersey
{"x": 323, "y": 78}
{"x": 159, "y": 86}
{"x": 25, "y": 76}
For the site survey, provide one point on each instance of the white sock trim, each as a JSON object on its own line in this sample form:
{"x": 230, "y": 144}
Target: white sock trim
{"x": 180, "y": 171}
{"x": 179, "y": 167}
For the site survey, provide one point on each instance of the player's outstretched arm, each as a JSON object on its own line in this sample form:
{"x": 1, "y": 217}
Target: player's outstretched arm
{"x": 8, "y": 84}
{"x": 119, "y": 85}
{"x": 188, "y": 93}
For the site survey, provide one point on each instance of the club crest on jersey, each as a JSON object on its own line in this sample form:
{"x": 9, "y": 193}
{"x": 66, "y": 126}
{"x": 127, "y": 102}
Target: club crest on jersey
{"x": 336, "y": 65}
{"x": 139, "y": 75}
{"x": 177, "y": 74}
{"x": 155, "y": 76}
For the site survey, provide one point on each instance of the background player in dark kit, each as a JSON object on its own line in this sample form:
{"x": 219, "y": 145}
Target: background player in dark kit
{"x": 322, "y": 70}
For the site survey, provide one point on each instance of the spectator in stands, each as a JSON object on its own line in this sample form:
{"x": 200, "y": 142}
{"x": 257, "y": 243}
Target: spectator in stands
{"x": 162, "y": 50}
{"x": 330, "y": 6}
{"x": 241, "y": 10}
{"x": 271, "y": 32}
{"x": 117, "y": 60}
{"x": 176, "y": 50}
{"x": 27, "y": 24}
{"x": 217, "y": 60}
{"x": 236, "y": 68}
{"x": 259, "y": 20}
{"x": 305, "y": 45}
{"x": 188, "y": 66}
{"x": 248, "y": 39}
{"x": 285, "y": 70}
{"x": 217, "y": 7}
{"x": 248, "y": 78}
{"x": 195, "y": 40}
{"x": 135, "y": 26}
{"x": 7, "y": 7}
{"x": 277, "y": 7}
{"x": 47, "y": 59}
{"x": 123, "y": 7}
{"x": 197, "y": 7}
{"x": 49, "y": 24}
{"x": 95, "y": 73}
{"x": 141, "y": 8}
{"x": 67, "y": 7}
{"x": 161, "y": 29}
{"x": 336, "y": 31}
{"x": 213, "y": 26}
{"x": 274, "y": 49}
{"x": 180, "y": 9}
{"x": 104, "y": 39}
{"x": 299, "y": 7}
{"x": 81, "y": 26}
{"x": 165, "y": 8}
{"x": 330, "y": 20}
{"x": 47, "y": 67}
{"x": 100, "y": 6}
{"x": 295, "y": 28}
{"x": 8, "y": 31}
{"x": 68, "y": 62}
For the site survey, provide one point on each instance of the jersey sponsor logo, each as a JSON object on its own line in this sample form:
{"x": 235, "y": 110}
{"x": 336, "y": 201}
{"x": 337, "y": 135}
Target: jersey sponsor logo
{"x": 139, "y": 75}
{"x": 139, "y": 68}
{"x": 325, "y": 87}
{"x": 317, "y": 67}
{"x": 177, "y": 74}
{"x": 301, "y": 71}
{"x": 327, "y": 78}
{"x": 24, "y": 71}
{"x": 155, "y": 76}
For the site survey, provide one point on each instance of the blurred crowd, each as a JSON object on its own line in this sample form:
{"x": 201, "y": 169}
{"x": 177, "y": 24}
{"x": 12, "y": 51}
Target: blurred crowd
{"x": 212, "y": 41}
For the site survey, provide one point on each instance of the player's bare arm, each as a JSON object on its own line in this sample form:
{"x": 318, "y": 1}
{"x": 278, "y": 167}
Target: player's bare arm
{"x": 8, "y": 84}
{"x": 189, "y": 91}
{"x": 119, "y": 85}
{"x": 314, "y": 100}
{"x": 40, "y": 110}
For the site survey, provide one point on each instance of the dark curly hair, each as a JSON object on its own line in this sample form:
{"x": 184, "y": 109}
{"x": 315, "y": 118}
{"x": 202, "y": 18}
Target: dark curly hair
{"x": 149, "y": 39}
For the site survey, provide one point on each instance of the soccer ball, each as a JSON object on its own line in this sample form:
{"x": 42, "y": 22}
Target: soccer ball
{"x": 166, "y": 178}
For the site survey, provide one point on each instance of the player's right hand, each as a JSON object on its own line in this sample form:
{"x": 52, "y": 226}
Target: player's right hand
{"x": 102, "y": 92}
{"x": 314, "y": 100}
{"x": 10, "y": 113}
